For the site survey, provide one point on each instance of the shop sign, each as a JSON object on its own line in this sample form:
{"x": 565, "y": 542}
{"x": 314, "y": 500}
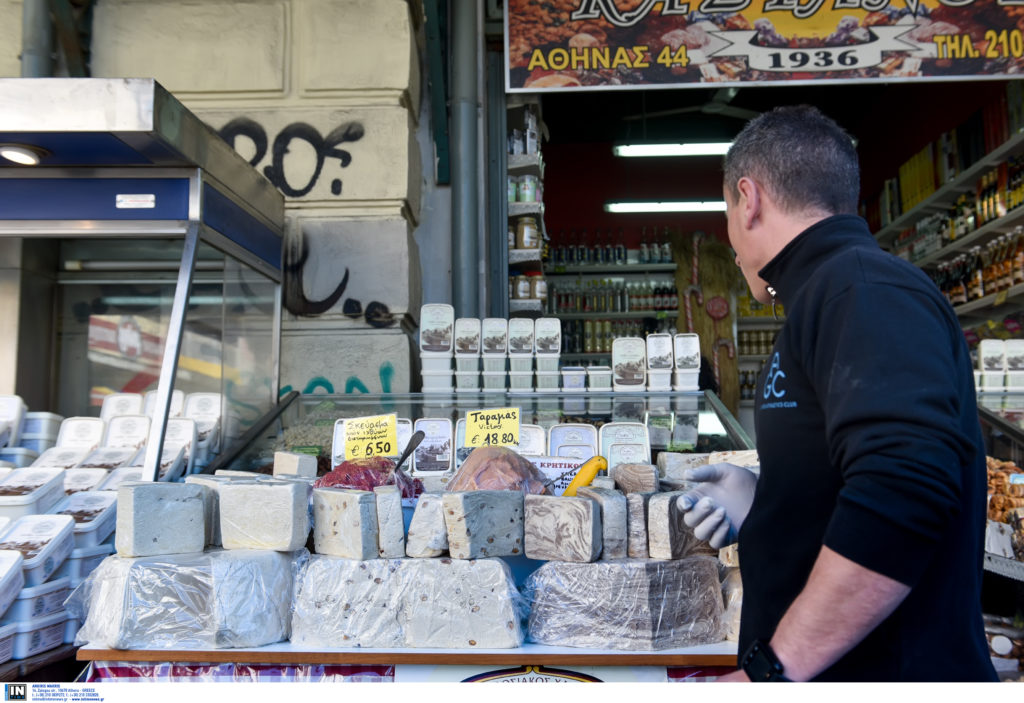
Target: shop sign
{"x": 529, "y": 674}
{"x": 565, "y": 45}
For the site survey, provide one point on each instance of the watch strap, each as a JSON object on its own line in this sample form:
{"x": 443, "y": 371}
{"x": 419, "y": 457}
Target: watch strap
{"x": 760, "y": 663}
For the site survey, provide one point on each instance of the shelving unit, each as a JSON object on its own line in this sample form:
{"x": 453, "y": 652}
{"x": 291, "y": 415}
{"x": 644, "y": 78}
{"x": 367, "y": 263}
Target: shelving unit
{"x": 639, "y": 314}
{"x": 611, "y": 268}
{"x": 516, "y": 165}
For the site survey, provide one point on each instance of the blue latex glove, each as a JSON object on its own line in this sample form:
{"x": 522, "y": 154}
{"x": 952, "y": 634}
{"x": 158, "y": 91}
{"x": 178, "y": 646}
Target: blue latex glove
{"x": 717, "y": 506}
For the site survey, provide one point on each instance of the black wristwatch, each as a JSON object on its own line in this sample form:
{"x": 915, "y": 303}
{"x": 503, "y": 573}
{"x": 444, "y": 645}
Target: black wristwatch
{"x": 760, "y": 663}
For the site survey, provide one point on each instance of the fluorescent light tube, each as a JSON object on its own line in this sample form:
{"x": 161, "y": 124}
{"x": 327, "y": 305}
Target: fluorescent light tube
{"x": 667, "y": 206}
{"x": 693, "y": 149}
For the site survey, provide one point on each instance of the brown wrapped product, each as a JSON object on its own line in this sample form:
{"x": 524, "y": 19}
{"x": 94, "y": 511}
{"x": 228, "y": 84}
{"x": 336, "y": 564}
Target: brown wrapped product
{"x": 497, "y": 469}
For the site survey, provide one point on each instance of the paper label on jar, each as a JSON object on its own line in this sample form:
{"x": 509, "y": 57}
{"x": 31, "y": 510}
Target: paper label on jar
{"x": 629, "y": 361}
{"x": 127, "y": 431}
{"x": 687, "y": 351}
{"x": 467, "y": 335}
{"x": 520, "y": 335}
{"x": 434, "y": 453}
{"x": 548, "y": 335}
{"x": 659, "y": 351}
{"x": 992, "y": 355}
{"x": 436, "y": 325}
{"x": 494, "y": 331}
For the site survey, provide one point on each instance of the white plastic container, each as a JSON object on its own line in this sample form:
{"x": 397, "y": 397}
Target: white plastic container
{"x": 30, "y": 491}
{"x": 80, "y": 433}
{"x": 126, "y": 431}
{"x": 494, "y": 380}
{"x": 183, "y": 432}
{"x": 61, "y": 458}
{"x": 660, "y": 354}
{"x": 573, "y": 434}
{"x": 467, "y": 337}
{"x": 467, "y": 363}
{"x": 520, "y": 363}
{"x": 40, "y": 424}
{"x": 468, "y": 381}
{"x": 44, "y": 541}
{"x": 520, "y": 381}
{"x": 39, "y": 601}
{"x": 495, "y": 363}
{"x": 686, "y": 350}
{"x": 37, "y": 444}
{"x": 520, "y": 337}
{"x": 599, "y": 378}
{"x": 623, "y": 433}
{"x": 177, "y": 403}
{"x": 574, "y": 378}
{"x": 19, "y": 456}
{"x": 547, "y": 382}
{"x": 82, "y": 562}
{"x": 78, "y": 480}
{"x": 7, "y": 633}
{"x": 533, "y": 441}
{"x": 686, "y": 380}
{"x": 547, "y": 337}
{"x": 629, "y": 364}
{"x": 108, "y": 458}
{"x": 437, "y": 324}
{"x": 438, "y": 382}
{"x": 94, "y": 513}
{"x": 71, "y": 626}
{"x": 172, "y": 464}
{"x": 433, "y": 363}
{"x": 12, "y": 412}
{"x": 40, "y": 635}
{"x": 119, "y": 476}
{"x": 547, "y": 364}
{"x": 205, "y": 410}
{"x": 12, "y": 578}
{"x": 493, "y": 338}
{"x": 117, "y": 404}
{"x": 659, "y": 379}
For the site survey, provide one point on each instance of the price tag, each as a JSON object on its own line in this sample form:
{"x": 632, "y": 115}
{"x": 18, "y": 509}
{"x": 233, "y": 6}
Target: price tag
{"x": 489, "y": 428}
{"x": 371, "y": 436}
{"x": 1000, "y": 298}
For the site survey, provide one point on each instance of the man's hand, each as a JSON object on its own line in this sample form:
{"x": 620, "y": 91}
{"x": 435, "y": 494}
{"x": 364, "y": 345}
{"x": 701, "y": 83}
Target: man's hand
{"x": 716, "y": 508}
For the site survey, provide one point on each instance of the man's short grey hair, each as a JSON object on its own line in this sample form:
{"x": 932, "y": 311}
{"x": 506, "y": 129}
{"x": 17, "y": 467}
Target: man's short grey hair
{"x": 805, "y": 161}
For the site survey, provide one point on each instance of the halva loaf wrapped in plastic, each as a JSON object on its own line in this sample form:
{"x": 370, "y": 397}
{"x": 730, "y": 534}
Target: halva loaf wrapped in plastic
{"x": 631, "y": 604}
{"x": 214, "y": 599}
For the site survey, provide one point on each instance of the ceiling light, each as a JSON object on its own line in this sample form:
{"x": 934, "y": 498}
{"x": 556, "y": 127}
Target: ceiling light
{"x": 666, "y": 206}
{"x": 693, "y": 149}
{"x": 23, "y": 154}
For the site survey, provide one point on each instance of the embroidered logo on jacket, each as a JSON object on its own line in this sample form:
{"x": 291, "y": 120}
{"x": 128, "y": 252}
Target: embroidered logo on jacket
{"x": 773, "y": 390}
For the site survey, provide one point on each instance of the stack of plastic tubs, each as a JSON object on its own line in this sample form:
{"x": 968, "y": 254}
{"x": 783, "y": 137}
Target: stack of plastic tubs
{"x": 39, "y": 432}
{"x": 686, "y": 349}
{"x": 467, "y": 355}
{"x": 547, "y": 340}
{"x": 494, "y": 353}
{"x": 659, "y": 362}
{"x": 629, "y": 364}
{"x": 520, "y": 354}
{"x": 437, "y": 326}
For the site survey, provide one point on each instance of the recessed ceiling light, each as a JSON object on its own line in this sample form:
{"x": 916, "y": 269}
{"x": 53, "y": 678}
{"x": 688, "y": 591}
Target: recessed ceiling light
{"x": 22, "y": 154}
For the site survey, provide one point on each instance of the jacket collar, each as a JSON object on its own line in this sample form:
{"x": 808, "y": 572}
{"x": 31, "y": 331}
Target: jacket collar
{"x": 795, "y": 264}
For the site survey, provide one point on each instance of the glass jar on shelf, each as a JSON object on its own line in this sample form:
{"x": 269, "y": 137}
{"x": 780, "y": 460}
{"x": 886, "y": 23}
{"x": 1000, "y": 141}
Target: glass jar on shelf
{"x": 527, "y": 233}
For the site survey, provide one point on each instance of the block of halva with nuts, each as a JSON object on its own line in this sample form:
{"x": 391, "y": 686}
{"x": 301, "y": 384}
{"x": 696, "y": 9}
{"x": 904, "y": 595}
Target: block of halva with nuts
{"x": 390, "y": 522}
{"x": 558, "y": 528}
{"x": 390, "y": 603}
{"x": 345, "y": 523}
{"x": 159, "y": 518}
{"x": 484, "y": 523}
{"x": 428, "y": 536}
{"x": 213, "y": 599}
{"x": 265, "y": 514}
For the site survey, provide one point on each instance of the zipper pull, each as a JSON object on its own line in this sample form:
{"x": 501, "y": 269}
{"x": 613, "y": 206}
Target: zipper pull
{"x": 771, "y": 292}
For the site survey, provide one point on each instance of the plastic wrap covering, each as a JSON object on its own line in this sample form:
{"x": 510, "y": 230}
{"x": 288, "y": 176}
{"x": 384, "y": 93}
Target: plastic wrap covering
{"x": 164, "y": 672}
{"x": 393, "y": 603}
{"x": 497, "y": 469}
{"x": 732, "y": 597}
{"x": 631, "y": 604}
{"x": 209, "y": 600}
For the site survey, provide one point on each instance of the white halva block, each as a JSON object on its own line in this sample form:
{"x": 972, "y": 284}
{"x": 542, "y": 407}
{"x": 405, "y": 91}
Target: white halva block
{"x": 264, "y": 515}
{"x": 390, "y": 603}
{"x": 390, "y": 523}
{"x": 294, "y": 464}
{"x": 345, "y": 523}
{"x": 214, "y": 599}
{"x": 159, "y": 518}
{"x": 614, "y": 522}
{"x": 557, "y": 528}
{"x": 484, "y": 523}
{"x": 211, "y": 503}
{"x": 428, "y": 536}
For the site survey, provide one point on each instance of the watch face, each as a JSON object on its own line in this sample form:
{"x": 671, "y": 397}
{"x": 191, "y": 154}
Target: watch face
{"x": 761, "y": 664}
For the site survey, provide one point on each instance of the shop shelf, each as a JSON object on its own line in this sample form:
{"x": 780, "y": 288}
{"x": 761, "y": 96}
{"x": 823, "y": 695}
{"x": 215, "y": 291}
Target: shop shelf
{"x": 983, "y": 305}
{"x": 526, "y": 305}
{"x": 523, "y": 256}
{"x": 526, "y": 164}
{"x": 657, "y": 314}
{"x": 609, "y": 268}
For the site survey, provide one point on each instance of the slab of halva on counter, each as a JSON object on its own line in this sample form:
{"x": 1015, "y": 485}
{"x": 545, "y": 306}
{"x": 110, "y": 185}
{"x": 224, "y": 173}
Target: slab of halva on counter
{"x": 211, "y": 503}
{"x": 636, "y": 478}
{"x": 614, "y": 523}
{"x": 388, "y": 603}
{"x": 159, "y": 518}
{"x": 668, "y": 537}
{"x": 629, "y": 604}
{"x": 674, "y": 465}
{"x": 484, "y": 523}
{"x": 390, "y": 523}
{"x": 636, "y": 515}
{"x": 214, "y": 599}
{"x": 294, "y": 463}
{"x": 345, "y": 523}
{"x": 562, "y": 529}
{"x": 428, "y": 536}
{"x": 267, "y": 514}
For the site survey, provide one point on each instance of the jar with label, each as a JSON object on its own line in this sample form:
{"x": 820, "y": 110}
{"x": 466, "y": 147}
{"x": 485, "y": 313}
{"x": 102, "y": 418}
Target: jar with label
{"x": 522, "y": 287}
{"x": 538, "y": 286}
{"x": 528, "y": 189}
{"x": 527, "y": 234}
{"x": 513, "y": 187}
{"x": 511, "y": 237}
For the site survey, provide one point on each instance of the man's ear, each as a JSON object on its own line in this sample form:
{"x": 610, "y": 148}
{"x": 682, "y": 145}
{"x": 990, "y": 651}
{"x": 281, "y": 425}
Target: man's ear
{"x": 750, "y": 201}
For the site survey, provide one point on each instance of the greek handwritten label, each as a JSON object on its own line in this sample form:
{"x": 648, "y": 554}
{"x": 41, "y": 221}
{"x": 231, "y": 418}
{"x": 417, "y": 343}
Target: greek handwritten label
{"x": 495, "y": 427}
{"x": 376, "y": 435}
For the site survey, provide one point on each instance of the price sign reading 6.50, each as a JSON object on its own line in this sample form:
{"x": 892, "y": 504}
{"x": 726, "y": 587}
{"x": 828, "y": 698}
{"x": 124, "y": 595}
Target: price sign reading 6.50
{"x": 371, "y": 436}
{"x": 492, "y": 428}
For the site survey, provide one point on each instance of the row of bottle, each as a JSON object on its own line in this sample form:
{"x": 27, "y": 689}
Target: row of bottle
{"x": 596, "y": 336}
{"x": 997, "y": 192}
{"x": 756, "y": 342}
{"x": 983, "y": 271}
{"x": 748, "y": 384}
{"x": 607, "y": 249}
{"x": 612, "y": 296}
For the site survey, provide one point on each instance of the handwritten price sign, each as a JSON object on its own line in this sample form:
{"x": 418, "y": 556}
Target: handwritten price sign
{"x": 492, "y": 428}
{"x": 371, "y": 436}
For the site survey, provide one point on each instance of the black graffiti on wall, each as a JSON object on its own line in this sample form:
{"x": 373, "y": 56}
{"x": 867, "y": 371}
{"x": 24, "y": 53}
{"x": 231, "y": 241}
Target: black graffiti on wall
{"x": 326, "y": 148}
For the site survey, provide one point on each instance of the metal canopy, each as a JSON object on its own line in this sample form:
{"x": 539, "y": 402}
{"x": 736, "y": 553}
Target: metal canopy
{"x": 124, "y": 158}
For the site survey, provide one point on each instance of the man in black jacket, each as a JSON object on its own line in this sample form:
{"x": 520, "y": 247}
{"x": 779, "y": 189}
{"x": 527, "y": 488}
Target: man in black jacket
{"x": 861, "y": 542}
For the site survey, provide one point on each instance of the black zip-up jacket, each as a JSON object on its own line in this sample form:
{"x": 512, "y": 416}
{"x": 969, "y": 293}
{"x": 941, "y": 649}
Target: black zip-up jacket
{"x": 869, "y": 442}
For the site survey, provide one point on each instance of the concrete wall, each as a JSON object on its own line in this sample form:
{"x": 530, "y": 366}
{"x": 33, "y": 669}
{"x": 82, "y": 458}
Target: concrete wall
{"x": 10, "y": 38}
{"x": 323, "y": 98}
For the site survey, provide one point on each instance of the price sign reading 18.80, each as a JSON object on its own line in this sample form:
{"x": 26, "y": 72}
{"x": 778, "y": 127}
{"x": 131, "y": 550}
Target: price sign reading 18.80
{"x": 371, "y": 436}
{"x": 489, "y": 428}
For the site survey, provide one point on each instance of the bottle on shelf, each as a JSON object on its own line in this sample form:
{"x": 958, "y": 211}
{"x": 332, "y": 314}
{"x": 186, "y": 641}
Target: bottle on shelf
{"x": 666, "y": 247}
{"x": 570, "y": 249}
{"x": 620, "y": 248}
{"x": 609, "y": 249}
{"x": 643, "y": 255}
{"x": 583, "y": 250}
{"x": 1018, "y": 255}
{"x": 597, "y": 254}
